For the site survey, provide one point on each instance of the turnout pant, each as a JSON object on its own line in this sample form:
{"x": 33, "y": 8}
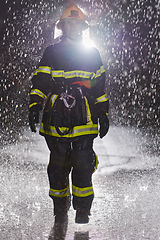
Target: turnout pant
{"x": 75, "y": 156}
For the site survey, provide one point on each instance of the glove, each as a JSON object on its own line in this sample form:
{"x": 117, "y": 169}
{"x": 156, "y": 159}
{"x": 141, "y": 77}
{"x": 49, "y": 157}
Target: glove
{"x": 33, "y": 119}
{"x": 34, "y": 116}
{"x": 104, "y": 125}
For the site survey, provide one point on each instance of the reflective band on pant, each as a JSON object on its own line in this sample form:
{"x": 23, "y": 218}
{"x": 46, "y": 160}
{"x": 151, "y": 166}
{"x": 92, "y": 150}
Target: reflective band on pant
{"x": 77, "y": 130}
{"x": 102, "y": 98}
{"x": 38, "y": 92}
{"x": 82, "y": 192}
{"x": 60, "y": 193}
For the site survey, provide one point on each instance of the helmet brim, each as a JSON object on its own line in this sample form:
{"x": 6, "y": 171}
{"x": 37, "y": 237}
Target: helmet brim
{"x": 59, "y": 23}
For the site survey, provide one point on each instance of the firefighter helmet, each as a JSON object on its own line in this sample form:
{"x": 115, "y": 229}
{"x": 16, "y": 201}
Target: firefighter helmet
{"x": 72, "y": 13}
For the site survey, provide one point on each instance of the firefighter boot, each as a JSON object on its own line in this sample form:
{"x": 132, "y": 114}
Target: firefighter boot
{"x": 59, "y": 230}
{"x": 61, "y": 208}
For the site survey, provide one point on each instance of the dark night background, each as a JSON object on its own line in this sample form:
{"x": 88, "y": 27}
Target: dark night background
{"x": 127, "y": 34}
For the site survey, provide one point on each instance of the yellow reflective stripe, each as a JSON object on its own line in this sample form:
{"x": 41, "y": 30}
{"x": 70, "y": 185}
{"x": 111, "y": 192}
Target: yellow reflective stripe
{"x": 82, "y": 192}
{"x": 38, "y": 92}
{"x": 69, "y": 74}
{"x": 72, "y": 74}
{"x": 35, "y": 73}
{"x": 103, "y": 98}
{"x": 99, "y": 72}
{"x": 53, "y": 99}
{"x": 97, "y": 162}
{"x": 89, "y": 120}
{"x": 32, "y": 104}
{"x": 59, "y": 193}
{"x": 43, "y": 69}
{"x": 77, "y": 130}
{"x": 78, "y": 73}
{"x": 59, "y": 73}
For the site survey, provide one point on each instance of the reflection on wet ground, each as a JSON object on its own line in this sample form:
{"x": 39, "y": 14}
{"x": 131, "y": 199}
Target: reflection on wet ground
{"x": 81, "y": 236}
{"x": 59, "y": 231}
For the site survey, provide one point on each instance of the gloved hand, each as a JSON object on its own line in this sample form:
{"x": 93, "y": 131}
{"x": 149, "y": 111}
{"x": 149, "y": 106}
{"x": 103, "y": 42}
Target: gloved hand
{"x": 104, "y": 125}
{"x": 33, "y": 119}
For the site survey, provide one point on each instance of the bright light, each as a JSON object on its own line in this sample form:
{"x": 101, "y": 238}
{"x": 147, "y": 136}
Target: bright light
{"x": 57, "y": 32}
{"x": 89, "y": 43}
{"x": 86, "y": 39}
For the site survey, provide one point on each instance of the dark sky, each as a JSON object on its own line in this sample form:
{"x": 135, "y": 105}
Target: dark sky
{"x": 3, "y": 10}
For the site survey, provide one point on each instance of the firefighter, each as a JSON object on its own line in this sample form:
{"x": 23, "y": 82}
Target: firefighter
{"x": 70, "y": 80}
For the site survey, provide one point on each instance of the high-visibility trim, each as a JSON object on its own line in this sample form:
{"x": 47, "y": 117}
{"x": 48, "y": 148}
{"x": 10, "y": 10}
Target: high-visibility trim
{"x": 98, "y": 72}
{"x": 77, "y": 73}
{"x": 43, "y": 69}
{"x": 71, "y": 74}
{"x": 97, "y": 162}
{"x": 77, "y": 130}
{"x": 82, "y": 192}
{"x": 59, "y": 73}
{"x": 53, "y": 99}
{"x": 38, "y": 92}
{"x": 89, "y": 120}
{"x": 60, "y": 193}
{"x": 32, "y": 104}
{"x": 103, "y": 98}
{"x": 82, "y": 74}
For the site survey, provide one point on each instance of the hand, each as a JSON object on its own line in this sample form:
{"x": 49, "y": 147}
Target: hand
{"x": 33, "y": 119}
{"x": 104, "y": 125}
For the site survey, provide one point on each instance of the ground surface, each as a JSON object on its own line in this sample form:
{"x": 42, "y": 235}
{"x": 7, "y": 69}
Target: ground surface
{"x": 126, "y": 184}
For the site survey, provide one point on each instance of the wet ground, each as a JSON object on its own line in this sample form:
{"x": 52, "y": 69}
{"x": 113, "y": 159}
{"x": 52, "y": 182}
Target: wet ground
{"x": 126, "y": 184}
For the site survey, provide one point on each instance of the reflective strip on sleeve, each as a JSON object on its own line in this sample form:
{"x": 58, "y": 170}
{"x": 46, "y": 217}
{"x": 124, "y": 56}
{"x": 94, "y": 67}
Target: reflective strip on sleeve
{"x": 77, "y": 130}
{"x": 43, "y": 69}
{"x": 32, "y": 104}
{"x": 53, "y": 99}
{"x": 89, "y": 120}
{"x": 38, "y": 92}
{"x": 103, "y": 98}
{"x": 99, "y": 72}
{"x": 82, "y": 192}
{"x": 60, "y": 193}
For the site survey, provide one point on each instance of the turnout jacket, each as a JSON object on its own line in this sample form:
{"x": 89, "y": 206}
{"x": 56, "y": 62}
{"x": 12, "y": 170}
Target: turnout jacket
{"x": 70, "y": 79}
